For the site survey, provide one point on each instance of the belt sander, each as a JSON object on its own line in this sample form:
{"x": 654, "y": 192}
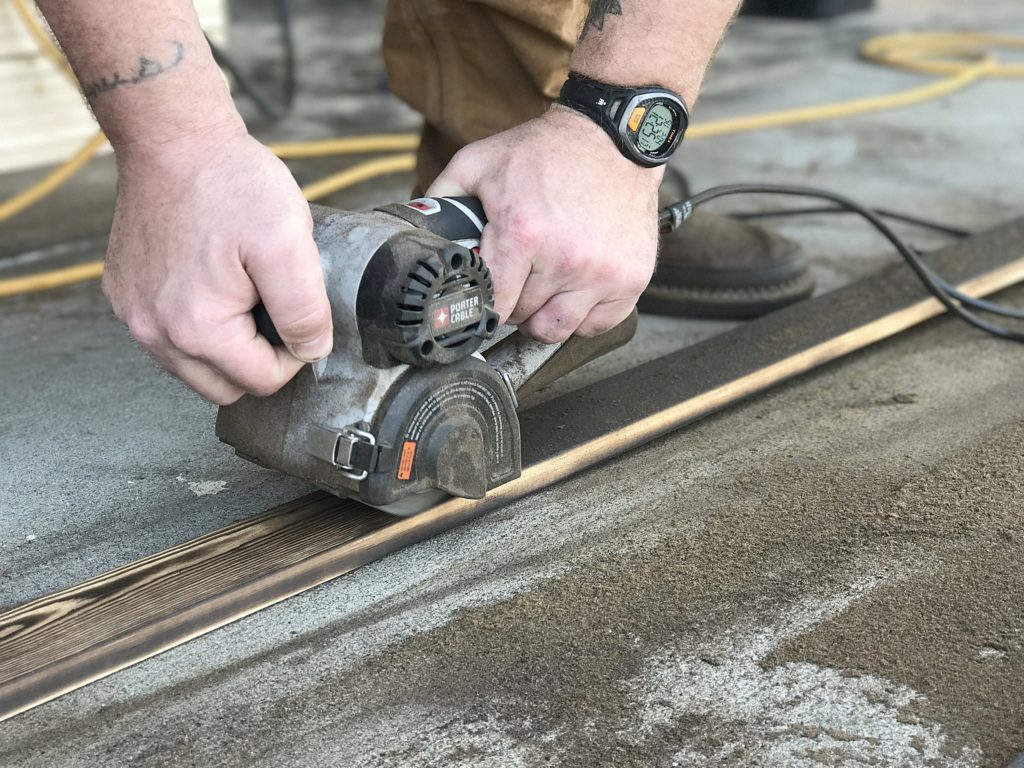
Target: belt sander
{"x": 419, "y": 397}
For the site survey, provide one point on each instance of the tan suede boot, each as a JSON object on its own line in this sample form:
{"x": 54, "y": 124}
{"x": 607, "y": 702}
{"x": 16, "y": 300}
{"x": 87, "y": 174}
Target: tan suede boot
{"x": 719, "y": 267}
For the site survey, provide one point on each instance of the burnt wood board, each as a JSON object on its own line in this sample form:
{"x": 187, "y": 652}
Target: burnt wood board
{"x": 70, "y": 638}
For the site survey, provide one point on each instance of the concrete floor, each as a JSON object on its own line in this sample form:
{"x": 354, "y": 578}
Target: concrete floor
{"x": 824, "y": 576}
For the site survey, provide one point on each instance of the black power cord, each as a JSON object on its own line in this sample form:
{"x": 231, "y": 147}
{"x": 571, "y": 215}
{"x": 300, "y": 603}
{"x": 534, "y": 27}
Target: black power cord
{"x": 906, "y": 218}
{"x": 955, "y": 301}
{"x": 269, "y": 107}
{"x": 885, "y": 213}
{"x": 284, "y": 20}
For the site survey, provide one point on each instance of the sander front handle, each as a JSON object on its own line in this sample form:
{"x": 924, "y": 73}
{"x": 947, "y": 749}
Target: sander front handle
{"x": 265, "y": 326}
{"x": 459, "y": 219}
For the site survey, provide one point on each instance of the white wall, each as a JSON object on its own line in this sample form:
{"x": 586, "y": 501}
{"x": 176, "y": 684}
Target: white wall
{"x": 43, "y": 118}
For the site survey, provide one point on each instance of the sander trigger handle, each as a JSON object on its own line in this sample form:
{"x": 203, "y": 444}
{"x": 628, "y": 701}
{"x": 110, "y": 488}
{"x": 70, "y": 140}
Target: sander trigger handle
{"x": 460, "y": 220}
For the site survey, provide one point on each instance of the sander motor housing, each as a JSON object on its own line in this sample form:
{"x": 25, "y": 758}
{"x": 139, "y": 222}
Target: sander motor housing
{"x": 404, "y": 403}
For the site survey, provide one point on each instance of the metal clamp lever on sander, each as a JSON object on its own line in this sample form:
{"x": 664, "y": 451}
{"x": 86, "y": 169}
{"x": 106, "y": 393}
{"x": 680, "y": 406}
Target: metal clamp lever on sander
{"x": 420, "y": 392}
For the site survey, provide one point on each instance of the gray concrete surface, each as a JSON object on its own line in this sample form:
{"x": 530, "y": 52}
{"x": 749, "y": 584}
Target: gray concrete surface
{"x": 828, "y": 575}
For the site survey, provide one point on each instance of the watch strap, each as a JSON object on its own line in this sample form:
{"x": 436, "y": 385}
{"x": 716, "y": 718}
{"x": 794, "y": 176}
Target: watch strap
{"x": 593, "y": 98}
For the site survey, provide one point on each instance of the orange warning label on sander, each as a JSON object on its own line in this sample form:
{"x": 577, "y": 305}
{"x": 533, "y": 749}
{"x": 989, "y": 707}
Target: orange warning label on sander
{"x": 406, "y": 460}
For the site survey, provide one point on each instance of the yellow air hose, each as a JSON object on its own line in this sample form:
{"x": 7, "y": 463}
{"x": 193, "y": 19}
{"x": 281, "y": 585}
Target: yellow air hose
{"x": 960, "y": 58}
{"x": 349, "y": 145}
{"x": 42, "y": 38}
{"x": 54, "y": 278}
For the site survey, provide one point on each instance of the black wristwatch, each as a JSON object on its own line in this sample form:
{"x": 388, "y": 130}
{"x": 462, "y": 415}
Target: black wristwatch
{"x": 646, "y": 124}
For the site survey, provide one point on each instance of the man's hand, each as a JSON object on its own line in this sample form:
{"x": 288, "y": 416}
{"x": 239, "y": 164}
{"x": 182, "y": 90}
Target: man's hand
{"x": 572, "y": 235}
{"x": 204, "y": 228}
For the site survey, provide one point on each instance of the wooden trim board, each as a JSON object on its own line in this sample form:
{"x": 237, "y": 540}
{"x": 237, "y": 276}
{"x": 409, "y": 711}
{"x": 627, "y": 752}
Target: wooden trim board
{"x": 68, "y": 639}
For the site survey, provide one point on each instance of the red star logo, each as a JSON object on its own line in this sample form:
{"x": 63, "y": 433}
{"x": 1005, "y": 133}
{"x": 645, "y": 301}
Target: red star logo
{"x": 441, "y": 317}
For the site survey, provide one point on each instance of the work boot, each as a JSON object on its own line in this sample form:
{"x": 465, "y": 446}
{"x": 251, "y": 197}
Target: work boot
{"x": 719, "y": 267}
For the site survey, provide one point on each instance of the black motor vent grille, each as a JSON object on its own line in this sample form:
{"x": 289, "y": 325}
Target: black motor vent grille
{"x": 445, "y": 307}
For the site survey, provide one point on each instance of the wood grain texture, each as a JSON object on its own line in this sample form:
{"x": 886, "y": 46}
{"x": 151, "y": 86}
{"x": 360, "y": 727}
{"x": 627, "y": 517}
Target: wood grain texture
{"x": 65, "y": 640}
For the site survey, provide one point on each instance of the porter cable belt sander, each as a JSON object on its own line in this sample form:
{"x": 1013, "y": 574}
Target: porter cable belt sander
{"x": 419, "y": 397}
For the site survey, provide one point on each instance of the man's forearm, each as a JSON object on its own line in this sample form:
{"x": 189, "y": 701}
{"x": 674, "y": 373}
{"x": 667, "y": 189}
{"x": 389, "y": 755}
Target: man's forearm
{"x": 145, "y": 68}
{"x": 640, "y": 42}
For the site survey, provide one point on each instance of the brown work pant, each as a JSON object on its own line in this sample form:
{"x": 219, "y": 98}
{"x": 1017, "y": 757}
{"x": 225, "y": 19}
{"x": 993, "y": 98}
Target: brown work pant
{"x": 476, "y": 67}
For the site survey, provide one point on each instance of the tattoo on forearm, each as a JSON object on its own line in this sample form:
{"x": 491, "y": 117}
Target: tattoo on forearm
{"x": 598, "y": 10}
{"x": 147, "y": 69}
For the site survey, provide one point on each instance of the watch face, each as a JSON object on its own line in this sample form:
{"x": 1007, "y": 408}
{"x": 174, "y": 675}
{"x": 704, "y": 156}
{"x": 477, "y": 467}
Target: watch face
{"x": 655, "y": 129}
{"x": 653, "y": 125}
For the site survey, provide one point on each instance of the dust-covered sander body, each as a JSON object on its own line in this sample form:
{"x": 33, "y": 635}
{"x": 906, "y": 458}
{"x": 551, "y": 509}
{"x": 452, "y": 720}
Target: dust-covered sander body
{"x": 403, "y": 405}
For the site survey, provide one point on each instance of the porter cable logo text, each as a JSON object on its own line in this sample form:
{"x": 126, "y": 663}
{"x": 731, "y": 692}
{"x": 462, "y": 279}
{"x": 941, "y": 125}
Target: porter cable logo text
{"x": 465, "y": 310}
{"x": 459, "y": 312}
